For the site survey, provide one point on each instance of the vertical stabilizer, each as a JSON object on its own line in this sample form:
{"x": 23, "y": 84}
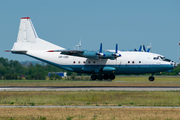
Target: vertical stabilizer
{"x": 27, "y": 32}
{"x": 28, "y": 40}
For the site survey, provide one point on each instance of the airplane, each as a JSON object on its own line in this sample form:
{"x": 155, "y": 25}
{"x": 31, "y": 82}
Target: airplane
{"x": 100, "y": 64}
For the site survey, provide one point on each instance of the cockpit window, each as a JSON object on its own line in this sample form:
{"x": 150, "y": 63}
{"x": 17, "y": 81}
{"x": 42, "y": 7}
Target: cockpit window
{"x": 155, "y": 58}
{"x": 168, "y": 60}
{"x": 161, "y": 58}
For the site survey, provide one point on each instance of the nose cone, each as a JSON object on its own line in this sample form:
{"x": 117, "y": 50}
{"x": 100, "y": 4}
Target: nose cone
{"x": 174, "y": 64}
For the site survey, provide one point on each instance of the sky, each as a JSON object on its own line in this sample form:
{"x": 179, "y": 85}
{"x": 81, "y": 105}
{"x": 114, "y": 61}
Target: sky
{"x": 129, "y": 23}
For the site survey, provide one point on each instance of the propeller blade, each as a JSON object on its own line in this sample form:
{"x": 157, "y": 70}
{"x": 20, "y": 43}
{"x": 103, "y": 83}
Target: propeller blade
{"x": 100, "y": 54}
{"x": 116, "y": 48}
{"x": 116, "y": 54}
{"x": 148, "y": 49}
{"x": 140, "y": 48}
{"x": 144, "y": 48}
{"x": 100, "y": 50}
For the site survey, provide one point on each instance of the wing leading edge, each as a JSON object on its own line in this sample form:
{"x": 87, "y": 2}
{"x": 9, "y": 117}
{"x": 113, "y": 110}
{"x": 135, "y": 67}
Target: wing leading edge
{"x": 91, "y": 54}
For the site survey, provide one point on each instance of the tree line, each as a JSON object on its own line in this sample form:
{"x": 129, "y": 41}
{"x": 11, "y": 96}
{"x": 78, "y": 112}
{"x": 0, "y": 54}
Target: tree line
{"x": 14, "y": 70}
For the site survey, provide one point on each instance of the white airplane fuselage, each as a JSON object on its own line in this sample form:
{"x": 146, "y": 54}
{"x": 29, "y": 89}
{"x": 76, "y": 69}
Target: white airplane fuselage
{"x": 127, "y": 62}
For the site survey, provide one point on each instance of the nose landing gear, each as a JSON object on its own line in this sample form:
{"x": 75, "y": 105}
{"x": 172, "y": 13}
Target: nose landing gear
{"x": 151, "y": 78}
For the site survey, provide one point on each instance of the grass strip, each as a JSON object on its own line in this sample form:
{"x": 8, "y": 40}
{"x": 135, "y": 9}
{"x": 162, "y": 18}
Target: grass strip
{"x": 88, "y": 114}
{"x": 89, "y": 98}
{"x": 119, "y": 81}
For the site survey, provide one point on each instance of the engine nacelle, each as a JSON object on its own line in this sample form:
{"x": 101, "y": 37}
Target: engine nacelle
{"x": 95, "y": 55}
{"x": 100, "y": 55}
{"x": 116, "y": 55}
{"x": 90, "y": 54}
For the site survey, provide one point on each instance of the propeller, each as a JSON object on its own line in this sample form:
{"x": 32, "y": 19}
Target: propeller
{"x": 100, "y": 54}
{"x": 140, "y": 48}
{"x": 149, "y": 48}
{"x": 116, "y": 54}
{"x": 144, "y": 48}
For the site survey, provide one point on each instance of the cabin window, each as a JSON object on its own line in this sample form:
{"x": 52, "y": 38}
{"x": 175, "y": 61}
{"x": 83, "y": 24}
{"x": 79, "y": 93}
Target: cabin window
{"x": 133, "y": 62}
{"x": 84, "y": 62}
{"x": 94, "y": 62}
{"x": 74, "y": 62}
{"x": 128, "y": 61}
{"x": 139, "y": 61}
{"x": 89, "y": 62}
{"x": 79, "y": 62}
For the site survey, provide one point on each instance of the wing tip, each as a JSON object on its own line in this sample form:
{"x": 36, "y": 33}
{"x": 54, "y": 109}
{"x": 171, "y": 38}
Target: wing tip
{"x": 7, "y": 50}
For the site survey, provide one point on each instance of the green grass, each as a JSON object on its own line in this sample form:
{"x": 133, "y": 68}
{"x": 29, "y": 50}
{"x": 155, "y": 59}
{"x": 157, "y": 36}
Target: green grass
{"x": 119, "y": 81}
{"x": 89, "y": 114}
{"x": 92, "y": 98}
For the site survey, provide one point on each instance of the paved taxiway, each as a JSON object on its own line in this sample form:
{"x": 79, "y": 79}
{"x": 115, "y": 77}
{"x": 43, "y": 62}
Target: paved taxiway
{"x": 76, "y": 88}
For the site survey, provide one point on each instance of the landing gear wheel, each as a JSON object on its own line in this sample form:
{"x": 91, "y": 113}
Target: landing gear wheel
{"x": 99, "y": 77}
{"x": 106, "y": 76}
{"x": 111, "y": 76}
{"x": 93, "y": 77}
{"x": 151, "y": 78}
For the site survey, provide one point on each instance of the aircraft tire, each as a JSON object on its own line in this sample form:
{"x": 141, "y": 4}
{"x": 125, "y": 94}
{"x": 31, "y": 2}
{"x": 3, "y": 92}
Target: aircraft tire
{"x": 151, "y": 78}
{"x": 106, "y": 76}
{"x": 111, "y": 76}
{"x": 99, "y": 77}
{"x": 93, "y": 77}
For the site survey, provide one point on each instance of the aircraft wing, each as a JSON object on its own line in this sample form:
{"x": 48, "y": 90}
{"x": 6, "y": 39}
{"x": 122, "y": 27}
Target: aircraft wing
{"x": 70, "y": 52}
{"x": 91, "y": 54}
{"x": 73, "y": 52}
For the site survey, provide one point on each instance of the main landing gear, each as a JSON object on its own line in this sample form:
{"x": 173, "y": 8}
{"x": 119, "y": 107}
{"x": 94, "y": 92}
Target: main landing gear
{"x": 101, "y": 77}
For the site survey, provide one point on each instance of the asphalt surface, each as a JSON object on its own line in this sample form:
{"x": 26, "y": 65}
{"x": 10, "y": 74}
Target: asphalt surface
{"x": 76, "y": 88}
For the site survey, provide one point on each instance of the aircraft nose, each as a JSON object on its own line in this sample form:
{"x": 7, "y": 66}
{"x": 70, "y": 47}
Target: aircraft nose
{"x": 174, "y": 64}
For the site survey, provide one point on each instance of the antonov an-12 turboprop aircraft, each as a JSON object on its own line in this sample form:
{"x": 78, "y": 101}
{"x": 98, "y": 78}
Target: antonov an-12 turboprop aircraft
{"x": 101, "y": 64}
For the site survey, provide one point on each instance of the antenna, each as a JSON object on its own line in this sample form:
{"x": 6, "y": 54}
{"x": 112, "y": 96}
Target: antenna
{"x": 79, "y": 44}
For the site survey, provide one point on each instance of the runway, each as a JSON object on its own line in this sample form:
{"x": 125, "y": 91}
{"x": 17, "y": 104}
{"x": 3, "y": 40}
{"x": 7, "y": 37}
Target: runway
{"x": 87, "y": 88}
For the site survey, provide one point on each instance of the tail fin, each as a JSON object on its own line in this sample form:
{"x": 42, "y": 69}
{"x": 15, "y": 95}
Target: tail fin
{"x": 28, "y": 39}
{"x": 27, "y": 32}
